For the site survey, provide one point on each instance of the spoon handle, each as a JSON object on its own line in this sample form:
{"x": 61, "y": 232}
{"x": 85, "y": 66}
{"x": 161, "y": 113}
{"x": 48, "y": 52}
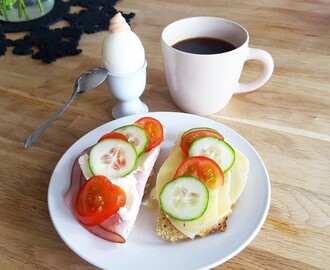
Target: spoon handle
{"x": 46, "y": 125}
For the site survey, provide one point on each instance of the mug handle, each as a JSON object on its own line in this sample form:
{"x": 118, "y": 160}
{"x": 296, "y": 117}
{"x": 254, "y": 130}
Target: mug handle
{"x": 268, "y": 62}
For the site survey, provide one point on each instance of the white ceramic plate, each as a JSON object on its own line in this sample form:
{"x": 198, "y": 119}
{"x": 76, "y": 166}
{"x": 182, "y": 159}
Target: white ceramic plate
{"x": 144, "y": 249}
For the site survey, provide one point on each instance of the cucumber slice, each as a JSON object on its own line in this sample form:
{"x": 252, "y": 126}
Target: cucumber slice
{"x": 185, "y": 198}
{"x": 136, "y": 135}
{"x": 112, "y": 158}
{"x": 218, "y": 150}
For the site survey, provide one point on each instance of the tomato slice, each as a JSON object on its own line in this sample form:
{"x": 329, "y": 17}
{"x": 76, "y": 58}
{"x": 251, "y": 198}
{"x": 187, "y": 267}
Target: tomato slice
{"x": 189, "y": 137}
{"x": 203, "y": 168}
{"x": 199, "y": 128}
{"x": 115, "y": 135}
{"x": 154, "y": 131}
{"x": 98, "y": 199}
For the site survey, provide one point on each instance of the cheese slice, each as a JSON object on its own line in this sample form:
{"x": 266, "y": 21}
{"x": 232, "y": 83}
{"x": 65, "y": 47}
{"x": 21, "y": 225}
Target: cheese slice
{"x": 224, "y": 200}
{"x": 210, "y": 217}
{"x": 189, "y": 228}
{"x": 167, "y": 170}
{"x": 220, "y": 200}
{"x": 239, "y": 176}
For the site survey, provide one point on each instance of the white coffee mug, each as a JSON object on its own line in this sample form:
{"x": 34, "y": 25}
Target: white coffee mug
{"x": 203, "y": 84}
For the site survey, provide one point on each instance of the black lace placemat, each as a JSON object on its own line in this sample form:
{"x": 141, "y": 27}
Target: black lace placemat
{"x": 48, "y": 44}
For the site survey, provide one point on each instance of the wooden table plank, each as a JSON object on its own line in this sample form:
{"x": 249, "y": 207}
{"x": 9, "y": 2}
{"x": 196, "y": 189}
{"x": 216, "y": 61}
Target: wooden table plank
{"x": 287, "y": 121}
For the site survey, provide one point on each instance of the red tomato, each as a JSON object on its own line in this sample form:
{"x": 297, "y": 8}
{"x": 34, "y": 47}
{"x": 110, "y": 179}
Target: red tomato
{"x": 115, "y": 135}
{"x": 98, "y": 199}
{"x": 154, "y": 131}
{"x": 189, "y": 137}
{"x": 203, "y": 168}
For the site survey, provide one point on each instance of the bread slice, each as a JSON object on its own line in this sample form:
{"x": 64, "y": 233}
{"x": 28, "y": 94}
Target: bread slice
{"x": 168, "y": 232}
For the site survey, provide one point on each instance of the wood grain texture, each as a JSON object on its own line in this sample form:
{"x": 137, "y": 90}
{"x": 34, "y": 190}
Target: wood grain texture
{"x": 287, "y": 121}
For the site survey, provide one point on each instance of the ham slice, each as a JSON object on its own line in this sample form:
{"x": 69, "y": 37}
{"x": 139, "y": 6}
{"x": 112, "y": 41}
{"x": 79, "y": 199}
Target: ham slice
{"x": 113, "y": 229}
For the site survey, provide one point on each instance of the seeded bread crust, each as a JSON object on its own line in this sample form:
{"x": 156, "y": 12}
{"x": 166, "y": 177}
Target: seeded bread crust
{"x": 168, "y": 232}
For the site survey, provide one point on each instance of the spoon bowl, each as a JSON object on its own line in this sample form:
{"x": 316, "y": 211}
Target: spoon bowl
{"x": 86, "y": 81}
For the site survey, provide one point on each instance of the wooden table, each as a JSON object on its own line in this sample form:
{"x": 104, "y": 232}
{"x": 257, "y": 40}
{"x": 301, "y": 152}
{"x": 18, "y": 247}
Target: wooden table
{"x": 287, "y": 121}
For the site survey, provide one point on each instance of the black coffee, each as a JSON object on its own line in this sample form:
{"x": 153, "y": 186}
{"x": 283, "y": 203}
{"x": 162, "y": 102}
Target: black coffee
{"x": 204, "y": 45}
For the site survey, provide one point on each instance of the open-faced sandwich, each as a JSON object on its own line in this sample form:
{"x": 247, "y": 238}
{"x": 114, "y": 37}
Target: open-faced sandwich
{"x": 198, "y": 185}
{"x": 109, "y": 178}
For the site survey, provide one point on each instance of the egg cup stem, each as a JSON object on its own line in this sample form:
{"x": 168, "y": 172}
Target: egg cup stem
{"x": 127, "y": 89}
{"x": 122, "y": 109}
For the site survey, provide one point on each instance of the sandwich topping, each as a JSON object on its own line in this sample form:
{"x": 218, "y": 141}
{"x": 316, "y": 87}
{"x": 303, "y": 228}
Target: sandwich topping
{"x": 109, "y": 178}
{"x": 196, "y": 187}
{"x": 199, "y": 183}
{"x": 184, "y": 198}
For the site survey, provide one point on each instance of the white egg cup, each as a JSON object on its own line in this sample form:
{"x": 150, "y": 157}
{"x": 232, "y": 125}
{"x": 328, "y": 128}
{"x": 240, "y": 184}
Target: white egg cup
{"x": 127, "y": 89}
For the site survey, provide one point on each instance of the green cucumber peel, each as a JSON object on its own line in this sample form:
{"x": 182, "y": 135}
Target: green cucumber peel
{"x": 184, "y": 198}
{"x": 218, "y": 150}
{"x": 135, "y": 135}
{"x": 198, "y": 128}
{"x": 113, "y": 158}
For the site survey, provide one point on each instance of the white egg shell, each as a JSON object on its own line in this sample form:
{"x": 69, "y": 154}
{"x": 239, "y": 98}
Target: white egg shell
{"x": 123, "y": 53}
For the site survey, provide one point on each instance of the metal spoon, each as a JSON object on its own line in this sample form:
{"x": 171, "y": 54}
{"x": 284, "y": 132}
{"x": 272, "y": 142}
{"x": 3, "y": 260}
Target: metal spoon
{"x": 88, "y": 80}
